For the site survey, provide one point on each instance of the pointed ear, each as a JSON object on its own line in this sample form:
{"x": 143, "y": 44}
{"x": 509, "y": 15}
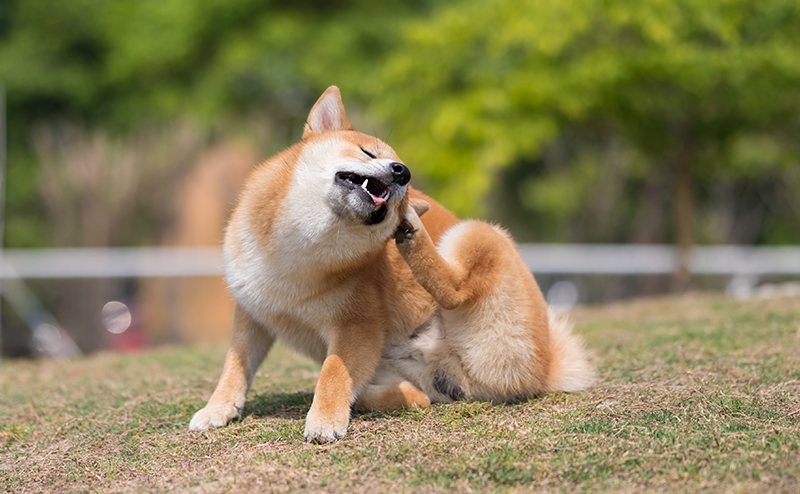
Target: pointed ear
{"x": 420, "y": 207}
{"x": 327, "y": 114}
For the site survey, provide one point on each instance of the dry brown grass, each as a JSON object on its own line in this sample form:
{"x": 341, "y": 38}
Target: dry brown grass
{"x": 697, "y": 394}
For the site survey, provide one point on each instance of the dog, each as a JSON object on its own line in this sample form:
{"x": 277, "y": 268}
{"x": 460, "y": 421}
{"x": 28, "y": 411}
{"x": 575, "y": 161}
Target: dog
{"x": 332, "y": 251}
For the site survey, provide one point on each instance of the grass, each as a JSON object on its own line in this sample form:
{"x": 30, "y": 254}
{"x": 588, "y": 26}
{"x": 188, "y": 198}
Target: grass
{"x": 699, "y": 393}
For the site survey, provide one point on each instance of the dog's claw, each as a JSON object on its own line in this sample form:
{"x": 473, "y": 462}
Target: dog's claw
{"x": 405, "y": 231}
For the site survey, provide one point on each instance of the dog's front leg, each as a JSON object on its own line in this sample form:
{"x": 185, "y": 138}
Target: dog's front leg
{"x": 350, "y": 364}
{"x": 249, "y": 345}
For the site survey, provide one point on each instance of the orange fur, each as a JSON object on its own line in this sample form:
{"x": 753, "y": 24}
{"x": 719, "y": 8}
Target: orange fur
{"x": 400, "y": 310}
{"x": 383, "y": 398}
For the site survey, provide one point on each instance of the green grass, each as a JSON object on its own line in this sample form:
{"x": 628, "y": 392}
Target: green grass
{"x": 700, "y": 393}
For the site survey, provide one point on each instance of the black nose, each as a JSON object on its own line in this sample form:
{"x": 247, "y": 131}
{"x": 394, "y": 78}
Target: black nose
{"x": 400, "y": 173}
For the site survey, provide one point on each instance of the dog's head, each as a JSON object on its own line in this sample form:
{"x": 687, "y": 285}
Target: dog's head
{"x": 357, "y": 178}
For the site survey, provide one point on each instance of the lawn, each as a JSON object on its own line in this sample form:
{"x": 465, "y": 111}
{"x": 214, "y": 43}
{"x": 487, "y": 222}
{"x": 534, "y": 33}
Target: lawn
{"x": 698, "y": 393}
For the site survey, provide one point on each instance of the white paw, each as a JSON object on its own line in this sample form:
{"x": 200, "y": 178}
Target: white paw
{"x": 214, "y": 416}
{"x": 321, "y": 429}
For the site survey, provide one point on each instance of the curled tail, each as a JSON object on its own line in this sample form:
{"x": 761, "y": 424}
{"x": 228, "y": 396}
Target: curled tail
{"x": 570, "y": 370}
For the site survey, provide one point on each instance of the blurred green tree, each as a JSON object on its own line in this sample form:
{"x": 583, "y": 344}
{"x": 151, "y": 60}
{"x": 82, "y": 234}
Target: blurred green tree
{"x": 601, "y": 110}
{"x": 688, "y": 88}
{"x": 118, "y": 63}
{"x": 120, "y": 66}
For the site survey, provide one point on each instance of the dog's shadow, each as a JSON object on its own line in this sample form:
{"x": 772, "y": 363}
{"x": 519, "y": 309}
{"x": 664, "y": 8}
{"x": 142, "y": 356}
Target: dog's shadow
{"x": 295, "y": 406}
{"x": 292, "y": 406}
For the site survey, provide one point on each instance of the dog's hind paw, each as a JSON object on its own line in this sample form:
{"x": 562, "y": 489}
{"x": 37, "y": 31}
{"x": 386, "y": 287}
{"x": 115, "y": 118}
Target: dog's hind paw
{"x": 405, "y": 232}
{"x": 214, "y": 416}
{"x": 411, "y": 224}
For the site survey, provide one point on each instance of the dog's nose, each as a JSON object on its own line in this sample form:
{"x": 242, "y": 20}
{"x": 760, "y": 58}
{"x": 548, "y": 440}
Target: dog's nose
{"x": 400, "y": 173}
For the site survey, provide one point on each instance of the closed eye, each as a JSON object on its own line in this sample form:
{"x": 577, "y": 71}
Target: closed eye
{"x": 368, "y": 153}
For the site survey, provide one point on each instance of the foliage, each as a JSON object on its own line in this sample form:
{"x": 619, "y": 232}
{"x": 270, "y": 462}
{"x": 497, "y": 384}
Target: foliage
{"x": 716, "y": 81}
{"x": 568, "y": 119}
{"x": 118, "y": 63}
{"x": 124, "y": 68}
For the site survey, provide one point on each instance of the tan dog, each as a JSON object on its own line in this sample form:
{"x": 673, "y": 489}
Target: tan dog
{"x": 324, "y": 252}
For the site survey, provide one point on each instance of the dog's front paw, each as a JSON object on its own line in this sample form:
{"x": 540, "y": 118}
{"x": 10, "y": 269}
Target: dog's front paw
{"x": 325, "y": 428}
{"x": 215, "y": 415}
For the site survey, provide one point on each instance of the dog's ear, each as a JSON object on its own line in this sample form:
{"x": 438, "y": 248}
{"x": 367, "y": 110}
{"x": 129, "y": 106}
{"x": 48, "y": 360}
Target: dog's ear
{"x": 420, "y": 207}
{"x": 327, "y": 114}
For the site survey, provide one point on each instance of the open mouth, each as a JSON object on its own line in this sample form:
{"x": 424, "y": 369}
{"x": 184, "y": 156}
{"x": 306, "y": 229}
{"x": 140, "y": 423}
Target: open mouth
{"x": 374, "y": 188}
{"x": 377, "y": 190}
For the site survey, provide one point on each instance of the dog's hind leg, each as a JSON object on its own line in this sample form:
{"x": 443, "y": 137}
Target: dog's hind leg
{"x": 391, "y": 396}
{"x": 249, "y": 346}
{"x": 495, "y": 316}
{"x": 450, "y": 283}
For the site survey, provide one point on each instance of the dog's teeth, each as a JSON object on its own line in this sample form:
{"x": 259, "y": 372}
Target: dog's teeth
{"x": 364, "y": 185}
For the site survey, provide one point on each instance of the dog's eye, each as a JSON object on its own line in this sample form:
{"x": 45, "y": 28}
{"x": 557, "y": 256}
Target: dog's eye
{"x": 368, "y": 153}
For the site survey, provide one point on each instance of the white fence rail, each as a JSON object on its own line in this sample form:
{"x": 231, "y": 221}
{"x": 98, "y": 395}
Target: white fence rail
{"x": 743, "y": 263}
{"x": 135, "y": 262}
{"x": 659, "y": 259}
{"x": 120, "y": 262}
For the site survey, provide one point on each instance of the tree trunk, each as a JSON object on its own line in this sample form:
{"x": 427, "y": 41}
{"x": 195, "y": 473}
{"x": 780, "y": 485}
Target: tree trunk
{"x": 684, "y": 207}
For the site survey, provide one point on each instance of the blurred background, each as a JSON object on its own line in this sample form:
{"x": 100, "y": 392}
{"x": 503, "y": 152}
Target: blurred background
{"x": 640, "y": 133}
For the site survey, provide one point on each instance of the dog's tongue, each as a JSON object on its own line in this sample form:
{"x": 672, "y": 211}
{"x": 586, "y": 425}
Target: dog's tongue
{"x": 379, "y": 201}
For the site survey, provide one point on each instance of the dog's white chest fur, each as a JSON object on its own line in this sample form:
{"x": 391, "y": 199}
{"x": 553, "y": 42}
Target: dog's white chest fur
{"x": 281, "y": 283}
{"x": 278, "y": 287}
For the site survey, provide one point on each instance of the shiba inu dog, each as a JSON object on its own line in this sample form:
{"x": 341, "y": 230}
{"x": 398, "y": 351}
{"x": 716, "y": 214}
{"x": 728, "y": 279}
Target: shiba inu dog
{"x": 331, "y": 250}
